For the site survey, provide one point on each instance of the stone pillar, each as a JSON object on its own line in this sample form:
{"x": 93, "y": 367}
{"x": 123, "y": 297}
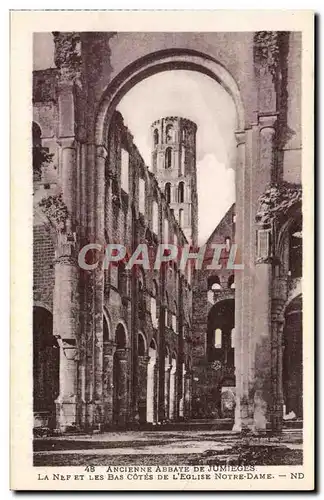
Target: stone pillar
{"x": 279, "y": 294}
{"x": 65, "y": 328}
{"x": 150, "y": 390}
{"x": 108, "y": 381}
{"x": 242, "y": 409}
{"x": 66, "y": 308}
{"x": 121, "y": 391}
{"x": 182, "y": 399}
{"x": 167, "y": 390}
{"x": 188, "y": 395}
{"x": 263, "y": 367}
{"x": 143, "y": 362}
{"x": 173, "y": 390}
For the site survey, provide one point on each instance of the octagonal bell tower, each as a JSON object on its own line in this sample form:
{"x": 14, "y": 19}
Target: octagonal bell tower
{"x": 174, "y": 165}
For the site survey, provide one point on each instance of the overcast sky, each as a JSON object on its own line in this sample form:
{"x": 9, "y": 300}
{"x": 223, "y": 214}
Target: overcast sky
{"x": 191, "y": 95}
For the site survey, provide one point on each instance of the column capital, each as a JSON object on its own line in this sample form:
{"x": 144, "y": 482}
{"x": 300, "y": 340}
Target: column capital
{"x": 109, "y": 348}
{"x": 67, "y": 142}
{"x": 267, "y": 121}
{"x": 240, "y": 137}
{"x": 101, "y": 151}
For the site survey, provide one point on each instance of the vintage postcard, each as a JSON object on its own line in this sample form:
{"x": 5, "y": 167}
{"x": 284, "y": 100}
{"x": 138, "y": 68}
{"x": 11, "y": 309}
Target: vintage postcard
{"x": 162, "y": 250}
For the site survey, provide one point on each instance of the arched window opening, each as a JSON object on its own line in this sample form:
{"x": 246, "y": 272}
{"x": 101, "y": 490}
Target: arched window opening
{"x": 155, "y": 218}
{"x": 168, "y": 158}
{"x": 37, "y": 135}
{"x": 220, "y": 332}
{"x": 174, "y": 317}
{"x": 141, "y": 201}
{"x": 231, "y": 283}
{"x": 122, "y": 278}
{"x": 182, "y": 164}
{"x": 166, "y": 230}
{"x": 169, "y": 133}
{"x": 167, "y": 192}
{"x": 156, "y": 137}
{"x": 105, "y": 330}
{"x": 41, "y": 155}
{"x": 154, "y": 315}
{"x": 141, "y": 295}
{"x": 181, "y": 192}
{"x": 218, "y": 338}
{"x": 181, "y": 217}
{"x": 120, "y": 337}
{"x": 296, "y": 250}
{"x": 167, "y": 305}
{"x": 141, "y": 348}
{"x": 227, "y": 243}
{"x": 124, "y": 174}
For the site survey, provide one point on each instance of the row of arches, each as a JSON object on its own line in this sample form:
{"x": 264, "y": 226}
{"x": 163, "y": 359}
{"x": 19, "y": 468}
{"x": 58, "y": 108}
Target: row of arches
{"x": 180, "y": 198}
{"x": 116, "y": 374}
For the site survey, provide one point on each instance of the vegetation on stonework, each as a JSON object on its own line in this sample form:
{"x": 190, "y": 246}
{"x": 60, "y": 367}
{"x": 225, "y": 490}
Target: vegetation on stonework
{"x": 277, "y": 200}
{"x": 55, "y": 210}
{"x": 41, "y": 158}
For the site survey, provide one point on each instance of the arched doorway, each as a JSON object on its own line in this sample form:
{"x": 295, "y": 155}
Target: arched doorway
{"x": 293, "y": 360}
{"x": 120, "y": 396}
{"x": 220, "y": 356}
{"x": 151, "y": 384}
{"x": 46, "y": 363}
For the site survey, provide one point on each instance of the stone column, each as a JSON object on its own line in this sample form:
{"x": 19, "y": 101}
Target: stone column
{"x": 150, "y": 390}
{"x": 143, "y": 362}
{"x": 188, "y": 395}
{"x": 167, "y": 391}
{"x": 65, "y": 328}
{"x": 108, "y": 381}
{"x": 66, "y": 307}
{"x": 242, "y": 408}
{"x": 182, "y": 399}
{"x": 99, "y": 220}
{"x": 279, "y": 294}
{"x": 262, "y": 291}
{"x": 173, "y": 390}
{"x": 122, "y": 358}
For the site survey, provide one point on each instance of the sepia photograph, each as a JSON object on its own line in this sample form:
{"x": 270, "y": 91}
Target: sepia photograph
{"x": 168, "y": 260}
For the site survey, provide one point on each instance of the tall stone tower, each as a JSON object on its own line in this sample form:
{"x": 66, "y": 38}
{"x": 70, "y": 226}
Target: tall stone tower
{"x": 174, "y": 165}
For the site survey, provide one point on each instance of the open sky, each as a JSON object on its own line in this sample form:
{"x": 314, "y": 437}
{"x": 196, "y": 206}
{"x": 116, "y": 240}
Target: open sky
{"x": 191, "y": 95}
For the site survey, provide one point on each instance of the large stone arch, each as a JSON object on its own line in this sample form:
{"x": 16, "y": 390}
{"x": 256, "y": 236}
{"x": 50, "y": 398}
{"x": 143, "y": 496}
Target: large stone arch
{"x": 155, "y": 63}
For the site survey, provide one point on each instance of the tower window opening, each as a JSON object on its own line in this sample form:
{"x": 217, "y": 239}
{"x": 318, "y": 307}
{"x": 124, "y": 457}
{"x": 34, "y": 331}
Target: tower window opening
{"x": 156, "y": 137}
{"x": 167, "y": 192}
{"x": 181, "y": 216}
{"x": 181, "y": 192}
{"x": 169, "y": 133}
{"x": 168, "y": 158}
